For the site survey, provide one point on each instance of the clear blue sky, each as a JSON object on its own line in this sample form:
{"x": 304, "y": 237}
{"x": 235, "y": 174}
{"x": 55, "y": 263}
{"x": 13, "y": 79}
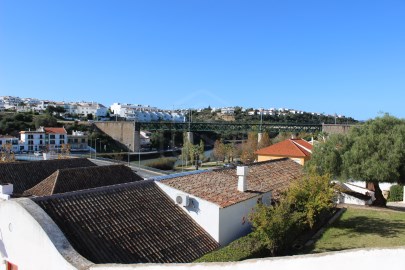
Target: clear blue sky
{"x": 334, "y": 56}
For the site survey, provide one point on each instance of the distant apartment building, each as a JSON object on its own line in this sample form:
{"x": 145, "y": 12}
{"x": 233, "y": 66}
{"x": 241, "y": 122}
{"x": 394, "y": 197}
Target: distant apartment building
{"x": 10, "y": 102}
{"x": 44, "y": 138}
{"x": 2, "y": 107}
{"x": 9, "y": 143}
{"x": 85, "y": 108}
{"x": 143, "y": 113}
{"x": 78, "y": 141}
{"x": 228, "y": 111}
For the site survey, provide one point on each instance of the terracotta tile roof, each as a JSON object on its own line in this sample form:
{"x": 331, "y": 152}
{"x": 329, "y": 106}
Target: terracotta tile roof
{"x": 288, "y": 148}
{"x": 128, "y": 223}
{"x": 72, "y": 179}
{"x": 55, "y": 130}
{"x": 220, "y": 186}
{"x": 25, "y": 175}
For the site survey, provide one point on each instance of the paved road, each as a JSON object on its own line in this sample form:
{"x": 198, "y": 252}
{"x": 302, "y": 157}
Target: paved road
{"x": 144, "y": 173}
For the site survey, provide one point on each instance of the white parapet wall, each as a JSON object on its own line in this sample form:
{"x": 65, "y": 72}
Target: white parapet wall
{"x": 30, "y": 239}
{"x": 370, "y": 259}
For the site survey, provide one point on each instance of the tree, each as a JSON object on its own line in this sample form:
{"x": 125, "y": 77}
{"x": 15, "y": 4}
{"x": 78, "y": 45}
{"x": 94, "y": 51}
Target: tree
{"x": 249, "y": 148}
{"x": 265, "y": 141}
{"x": 45, "y": 120}
{"x": 219, "y": 151}
{"x": 373, "y": 152}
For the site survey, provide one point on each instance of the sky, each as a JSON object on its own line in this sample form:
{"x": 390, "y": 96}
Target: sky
{"x": 336, "y": 56}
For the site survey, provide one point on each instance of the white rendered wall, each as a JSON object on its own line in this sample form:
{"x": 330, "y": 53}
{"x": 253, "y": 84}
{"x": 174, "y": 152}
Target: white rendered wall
{"x": 345, "y": 198}
{"x": 234, "y": 220}
{"x": 223, "y": 224}
{"x": 373, "y": 259}
{"x": 205, "y": 213}
{"x": 383, "y": 186}
{"x": 25, "y": 243}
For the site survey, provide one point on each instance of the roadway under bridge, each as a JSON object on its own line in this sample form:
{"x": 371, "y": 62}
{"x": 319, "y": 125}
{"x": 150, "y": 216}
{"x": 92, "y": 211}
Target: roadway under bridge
{"x": 128, "y": 132}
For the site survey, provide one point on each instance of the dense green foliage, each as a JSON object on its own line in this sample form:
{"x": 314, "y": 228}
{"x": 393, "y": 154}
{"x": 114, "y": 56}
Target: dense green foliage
{"x": 207, "y": 115}
{"x": 12, "y": 123}
{"x": 303, "y": 204}
{"x": 396, "y": 193}
{"x": 247, "y": 247}
{"x": 373, "y": 152}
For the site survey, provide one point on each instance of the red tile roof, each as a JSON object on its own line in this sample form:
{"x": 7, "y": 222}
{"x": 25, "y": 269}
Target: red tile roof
{"x": 287, "y": 148}
{"x": 220, "y": 186}
{"x": 55, "y": 130}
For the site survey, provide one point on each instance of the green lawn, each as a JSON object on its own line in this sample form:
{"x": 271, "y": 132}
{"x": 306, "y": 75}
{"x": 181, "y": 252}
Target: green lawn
{"x": 363, "y": 228}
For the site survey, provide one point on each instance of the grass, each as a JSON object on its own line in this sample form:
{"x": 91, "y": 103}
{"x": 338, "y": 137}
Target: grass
{"x": 363, "y": 228}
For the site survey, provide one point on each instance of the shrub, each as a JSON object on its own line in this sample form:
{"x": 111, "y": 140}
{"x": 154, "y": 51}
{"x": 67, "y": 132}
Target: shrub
{"x": 246, "y": 247}
{"x": 162, "y": 163}
{"x": 277, "y": 226}
{"x": 396, "y": 193}
{"x": 300, "y": 207}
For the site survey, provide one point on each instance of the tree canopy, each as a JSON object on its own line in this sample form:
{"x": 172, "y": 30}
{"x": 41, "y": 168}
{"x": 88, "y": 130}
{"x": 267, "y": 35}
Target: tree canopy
{"x": 372, "y": 152}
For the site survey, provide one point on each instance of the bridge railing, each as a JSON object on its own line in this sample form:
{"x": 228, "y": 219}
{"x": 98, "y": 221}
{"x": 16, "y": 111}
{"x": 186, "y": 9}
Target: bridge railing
{"x": 237, "y": 127}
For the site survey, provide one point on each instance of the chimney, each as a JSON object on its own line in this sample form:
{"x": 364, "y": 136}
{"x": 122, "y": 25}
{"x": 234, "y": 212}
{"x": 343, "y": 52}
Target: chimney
{"x": 242, "y": 172}
{"x": 6, "y": 190}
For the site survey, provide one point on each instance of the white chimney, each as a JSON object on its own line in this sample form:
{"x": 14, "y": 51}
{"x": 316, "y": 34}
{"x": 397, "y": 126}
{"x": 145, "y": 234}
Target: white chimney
{"x": 242, "y": 172}
{"x": 5, "y": 191}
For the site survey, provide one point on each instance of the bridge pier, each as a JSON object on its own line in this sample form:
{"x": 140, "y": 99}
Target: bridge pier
{"x": 259, "y": 137}
{"x": 137, "y": 141}
{"x": 190, "y": 137}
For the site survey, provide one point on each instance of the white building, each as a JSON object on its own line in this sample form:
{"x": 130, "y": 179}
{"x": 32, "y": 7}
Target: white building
{"x": 2, "y": 106}
{"x": 78, "y": 141}
{"x": 9, "y": 141}
{"x": 228, "y": 111}
{"x": 222, "y": 200}
{"x": 42, "y": 139}
{"x": 10, "y": 102}
{"x": 143, "y": 113}
{"x": 85, "y": 108}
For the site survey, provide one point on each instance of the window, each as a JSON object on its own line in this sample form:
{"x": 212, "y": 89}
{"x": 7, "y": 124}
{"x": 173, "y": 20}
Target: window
{"x": 83, "y": 140}
{"x": 1, "y": 142}
{"x": 52, "y": 142}
{"x": 61, "y": 136}
{"x": 62, "y": 141}
{"x": 30, "y": 142}
{"x": 52, "y": 136}
{"x": 40, "y": 142}
{"x": 30, "y": 136}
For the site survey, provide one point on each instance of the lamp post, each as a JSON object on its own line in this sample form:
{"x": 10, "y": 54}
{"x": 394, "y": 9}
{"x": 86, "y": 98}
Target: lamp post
{"x": 129, "y": 147}
{"x": 91, "y": 145}
{"x": 95, "y": 147}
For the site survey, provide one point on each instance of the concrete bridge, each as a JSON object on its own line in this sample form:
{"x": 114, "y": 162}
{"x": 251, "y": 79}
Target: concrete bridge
{"x": 128, "y": 133}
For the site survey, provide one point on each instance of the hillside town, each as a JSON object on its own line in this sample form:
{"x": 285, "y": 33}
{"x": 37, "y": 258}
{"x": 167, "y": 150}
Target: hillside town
{"x": 202, "y": 135}
{"x": 142, "y": 113}
{"x": 99, "y": 211}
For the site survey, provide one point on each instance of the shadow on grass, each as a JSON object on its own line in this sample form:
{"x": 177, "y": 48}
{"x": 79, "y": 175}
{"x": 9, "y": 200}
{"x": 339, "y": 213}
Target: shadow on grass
{"x": 370, "y": 225}
{"x": 354, "y": 227}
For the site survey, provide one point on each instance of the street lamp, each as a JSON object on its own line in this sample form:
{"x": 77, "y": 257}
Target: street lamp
{"x": 129, "y": 147}
{"x": 95, "y": 147}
